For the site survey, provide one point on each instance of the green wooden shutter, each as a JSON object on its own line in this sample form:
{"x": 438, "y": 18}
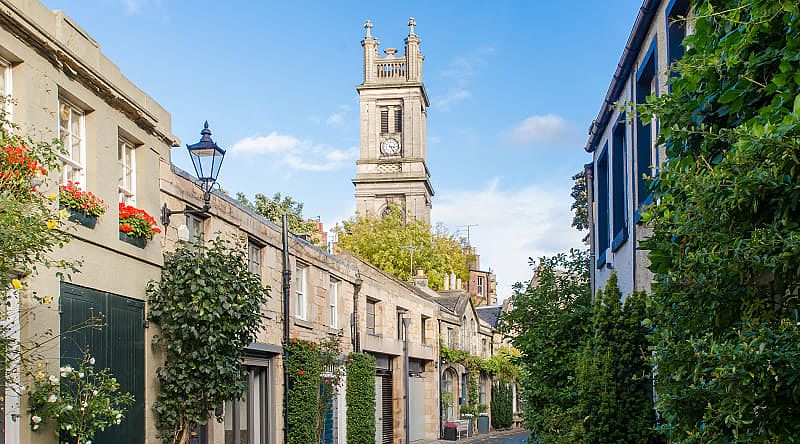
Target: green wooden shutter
{"x": 118, "y": 346}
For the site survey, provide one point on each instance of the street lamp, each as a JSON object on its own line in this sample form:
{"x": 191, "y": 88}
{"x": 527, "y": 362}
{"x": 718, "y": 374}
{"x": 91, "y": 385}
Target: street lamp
{"x": 207, "y": 159}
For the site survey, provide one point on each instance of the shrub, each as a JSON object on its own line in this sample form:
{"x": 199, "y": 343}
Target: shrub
{"x": 208, "y": 307}
{"x": 502, "y": 405}
{"x": 82, "y": 402}
{"x": 360, "y": 398}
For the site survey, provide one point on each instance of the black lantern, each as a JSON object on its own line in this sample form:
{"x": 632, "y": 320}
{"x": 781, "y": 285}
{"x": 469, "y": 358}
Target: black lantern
{"x": 207, "y": 159}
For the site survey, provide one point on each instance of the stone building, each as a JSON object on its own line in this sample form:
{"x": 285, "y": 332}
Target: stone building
{"x": 120, "y": 142}
{"x": 393, "y": 106}
{"x": 624, "y": 149}
{"x": 64, "y": 87}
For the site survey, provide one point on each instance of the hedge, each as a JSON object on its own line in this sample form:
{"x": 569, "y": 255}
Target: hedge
{"x": 502, "y": 405}
{"x": 360, "y": 398}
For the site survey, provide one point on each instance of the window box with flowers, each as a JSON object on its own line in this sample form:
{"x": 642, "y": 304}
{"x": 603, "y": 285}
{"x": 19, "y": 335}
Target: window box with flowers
{"x": 136, "y": 226}
{"x": 83, "y": 206}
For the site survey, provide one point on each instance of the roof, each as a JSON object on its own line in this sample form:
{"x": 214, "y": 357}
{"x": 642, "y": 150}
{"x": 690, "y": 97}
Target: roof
{"x": 490, "y": 314}
{"x": 643, "y": 21}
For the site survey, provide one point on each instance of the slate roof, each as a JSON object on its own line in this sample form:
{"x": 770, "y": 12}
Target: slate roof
{"x": 490, "y": 314}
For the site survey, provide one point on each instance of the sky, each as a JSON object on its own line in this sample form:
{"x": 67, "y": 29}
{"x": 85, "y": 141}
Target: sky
{"x": 513, "y": 87}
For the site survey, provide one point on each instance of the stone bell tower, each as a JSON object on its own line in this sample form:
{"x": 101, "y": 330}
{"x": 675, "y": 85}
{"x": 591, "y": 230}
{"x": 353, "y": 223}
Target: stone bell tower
{"x": 393, "y": 108}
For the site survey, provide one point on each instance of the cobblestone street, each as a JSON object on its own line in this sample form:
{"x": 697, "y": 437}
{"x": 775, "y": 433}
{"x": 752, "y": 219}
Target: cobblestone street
{"x": 502, "y": 437}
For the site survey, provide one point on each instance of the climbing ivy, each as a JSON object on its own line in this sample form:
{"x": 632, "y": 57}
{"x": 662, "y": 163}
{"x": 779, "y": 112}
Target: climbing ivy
{"x": 314, "y": 371}
{"x": 725, "y": 246}
{"x": 207, "y": 305}
{"x": 360, "y": 398}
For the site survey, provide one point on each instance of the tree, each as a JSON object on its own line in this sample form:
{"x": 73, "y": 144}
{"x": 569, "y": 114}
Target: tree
{"x": 548, "y": 325}
{"x": 208, "y": 306}
{"x": 580, "y": 204}
{"x": 725, "y": 246}
{"x": 275, "y": 207}
{"x": 382, "y": 241}
{"x": 614, "y": 375}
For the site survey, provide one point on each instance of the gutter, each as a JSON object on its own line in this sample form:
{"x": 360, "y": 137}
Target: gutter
{"x": 287, "y": 279}
{"x": 643, "y": 20}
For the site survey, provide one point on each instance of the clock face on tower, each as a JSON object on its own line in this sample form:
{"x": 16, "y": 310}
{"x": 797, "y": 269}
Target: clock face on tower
{"x": 390, "y": 147}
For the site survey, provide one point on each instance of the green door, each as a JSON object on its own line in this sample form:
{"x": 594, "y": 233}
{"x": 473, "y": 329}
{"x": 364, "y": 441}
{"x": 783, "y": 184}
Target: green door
{"x": 118, "y": 345}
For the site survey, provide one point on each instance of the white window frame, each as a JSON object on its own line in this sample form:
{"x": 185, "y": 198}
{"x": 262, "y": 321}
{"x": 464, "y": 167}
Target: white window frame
{"x": 480, "y": 286}
{"x": 127, "y": 196}
{"x": 333, "y": 301}
{"x": 67, "y": 160}
{"x": 301, "y": 291}
{"x": 373, "y": 316}
{"x": 8, "y": 92}
{"x": 254, "y": 253}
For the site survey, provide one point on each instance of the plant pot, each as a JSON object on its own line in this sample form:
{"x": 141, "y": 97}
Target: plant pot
{"x": 483, "y": 423}
{"x": 83, "y": 219}
{"x": 450, "y": 434}
{"x": 133, "y": 240}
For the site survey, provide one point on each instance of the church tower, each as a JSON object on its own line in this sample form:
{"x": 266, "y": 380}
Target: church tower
{"x": 393, "y": 107}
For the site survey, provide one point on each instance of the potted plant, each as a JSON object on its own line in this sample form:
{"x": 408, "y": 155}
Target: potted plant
{"x": 81, "y": 402}
{"x": 83, "y": 206}
{"x": 450, "y": 431}
{"x": 136, "y": 227}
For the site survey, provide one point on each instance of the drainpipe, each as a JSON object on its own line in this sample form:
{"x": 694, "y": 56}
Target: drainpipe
{"x": 287, "y": 280}
{"x": 406, "y": 382}
{"x": 439, "y": 363}
{"x": 588, "y": 174}
{"x": 355, "y": 335}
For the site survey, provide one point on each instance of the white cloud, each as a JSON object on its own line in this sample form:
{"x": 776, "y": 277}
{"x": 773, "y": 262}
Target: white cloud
{"x": 445, "y": 102}
{"x": 459, "y": 74}
{"x": 513, "y": 225}
{"x": 296, "y": 153}
{"x": 336, "y": 119}
{"x": 547, "y": 128}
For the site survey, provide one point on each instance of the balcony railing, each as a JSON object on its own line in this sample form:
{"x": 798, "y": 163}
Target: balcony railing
{"x": 390, "y": 70}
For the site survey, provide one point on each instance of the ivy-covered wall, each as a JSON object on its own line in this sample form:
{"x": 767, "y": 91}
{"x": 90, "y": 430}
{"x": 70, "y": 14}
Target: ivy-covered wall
{"x": 360, "y": 398}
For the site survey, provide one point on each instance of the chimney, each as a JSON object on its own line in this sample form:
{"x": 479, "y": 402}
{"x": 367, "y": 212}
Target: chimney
{"x": 458, "y": 284}
{"x": 453, "y": 281}
{"x": 446, "y": 282}
{"x": 420, "y": 280}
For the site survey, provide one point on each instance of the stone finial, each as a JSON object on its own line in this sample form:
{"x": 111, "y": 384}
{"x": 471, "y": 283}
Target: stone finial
{"x": 390, "y": 52}
{"x": 368, "y": 27}
{"x": 411, "y": 24}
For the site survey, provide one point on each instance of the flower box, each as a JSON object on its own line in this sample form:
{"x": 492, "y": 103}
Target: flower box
{"x": 83, "y": 206}
{"x": 133, "y": 240}
{"x": 136, "y": 226}
{"x": 86, "y": 220}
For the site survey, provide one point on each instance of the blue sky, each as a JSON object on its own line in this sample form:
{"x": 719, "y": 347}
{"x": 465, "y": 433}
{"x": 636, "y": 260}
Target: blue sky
{"x": 513, "y": 87}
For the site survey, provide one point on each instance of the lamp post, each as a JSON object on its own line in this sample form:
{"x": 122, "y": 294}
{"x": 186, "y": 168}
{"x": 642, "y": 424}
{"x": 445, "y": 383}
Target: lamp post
{"x": 207, "y": 159}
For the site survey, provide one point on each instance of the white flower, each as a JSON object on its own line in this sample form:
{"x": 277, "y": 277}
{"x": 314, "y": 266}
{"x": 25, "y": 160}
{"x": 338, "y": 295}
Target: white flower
{"x": 36, "y": 427}
{"x": 80, "y": 375}
{"x": 119, "y": 415}
{"x": 68, "y": 426}
{"x": 84, "y": 404}
{"x": 118, "y": 421}
{"x": 95, "y": 392}
{"x": 68, "y": 407}
{"x": 65, "y": 371}
{"x": 91, "y": 361}
{"x": 53, "y": 398}
{"x": 53, "y": 379}
{"x": 36, "y": 419}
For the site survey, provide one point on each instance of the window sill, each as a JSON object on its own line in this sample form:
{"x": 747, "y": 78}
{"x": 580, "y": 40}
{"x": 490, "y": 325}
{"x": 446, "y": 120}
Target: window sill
{"x": 303, "y": 323}
{"x": 620, "y": 239}
{"x": 601, "y": 259}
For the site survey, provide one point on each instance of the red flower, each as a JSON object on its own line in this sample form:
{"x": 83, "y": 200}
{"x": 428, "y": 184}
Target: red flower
{"x": 125, "y": 228}
{"x": 300, "y": 372}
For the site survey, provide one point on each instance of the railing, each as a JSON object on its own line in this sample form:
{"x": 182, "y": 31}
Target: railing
{"x": 391, "y": 70}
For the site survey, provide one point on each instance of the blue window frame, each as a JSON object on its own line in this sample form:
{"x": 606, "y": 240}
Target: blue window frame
{"x": 602, "y": 207}
{"x": 619, "y": 205}
{"x": 646, "y": 84}
{"x": 677, "y": 10}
